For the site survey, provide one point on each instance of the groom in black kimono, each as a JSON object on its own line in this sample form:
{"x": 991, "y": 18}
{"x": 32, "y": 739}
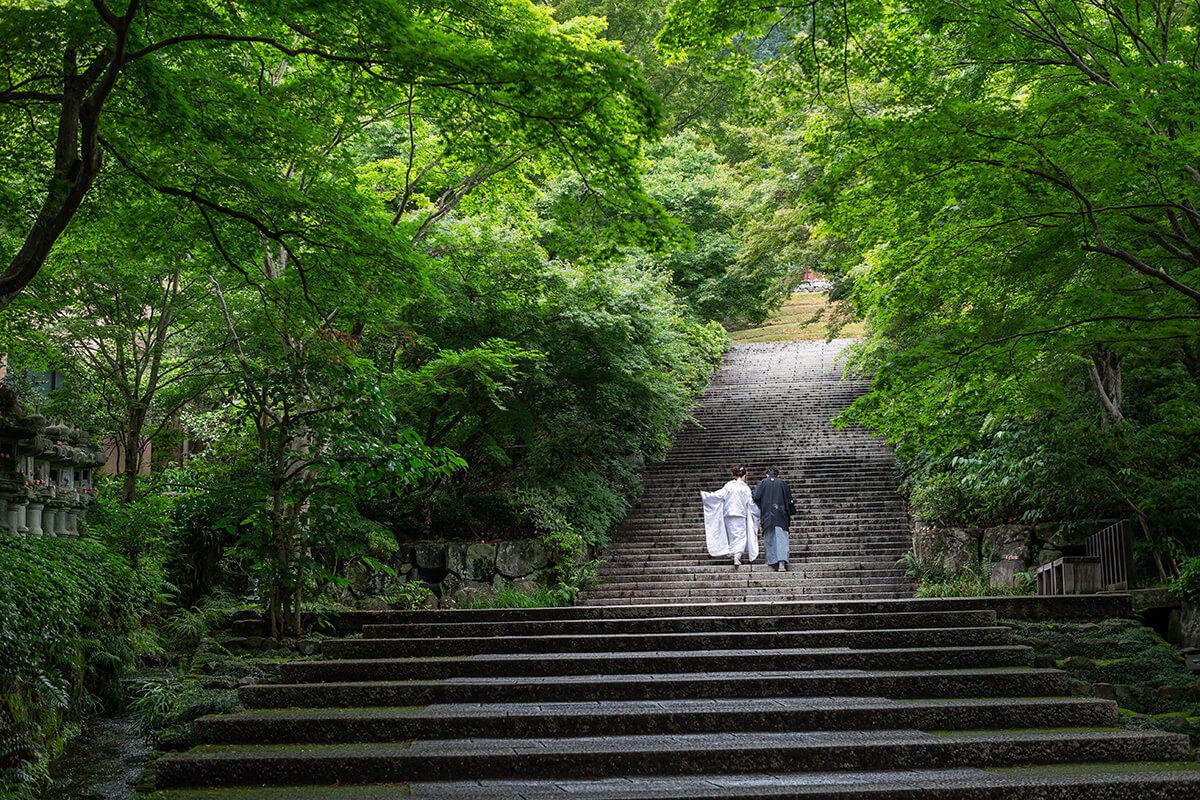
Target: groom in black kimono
{"x": 774, "y": 498}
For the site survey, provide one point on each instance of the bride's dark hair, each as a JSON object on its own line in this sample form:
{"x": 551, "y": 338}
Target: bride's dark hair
{"x": 739, "y": 471}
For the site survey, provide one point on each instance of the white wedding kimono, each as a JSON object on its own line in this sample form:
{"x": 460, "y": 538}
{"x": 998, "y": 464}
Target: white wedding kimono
{"x": 731, "y": 521}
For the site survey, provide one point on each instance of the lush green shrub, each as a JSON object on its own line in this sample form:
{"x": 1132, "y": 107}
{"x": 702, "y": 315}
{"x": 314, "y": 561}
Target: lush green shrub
{"x": 409, "y": 595}
{"x": 973, "y": 580}
{"x": 512, "y": 597}
{"x": 65, "y": 608}
{"x": 1187, "y": 585}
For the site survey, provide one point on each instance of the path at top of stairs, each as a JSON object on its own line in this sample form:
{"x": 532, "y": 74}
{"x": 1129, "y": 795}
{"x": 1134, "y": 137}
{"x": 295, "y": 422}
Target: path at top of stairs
{"x": 769, "y": 405}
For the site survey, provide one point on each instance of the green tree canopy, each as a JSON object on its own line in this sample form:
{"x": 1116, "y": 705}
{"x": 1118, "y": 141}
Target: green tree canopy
{"x": 223, "y": 107}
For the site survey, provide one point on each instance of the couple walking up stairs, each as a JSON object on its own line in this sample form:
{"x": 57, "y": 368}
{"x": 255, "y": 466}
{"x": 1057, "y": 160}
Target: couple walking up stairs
{"x": 811, "y": 687}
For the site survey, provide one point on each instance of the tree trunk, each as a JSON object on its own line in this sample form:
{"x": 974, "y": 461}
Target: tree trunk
{"x": 135, "y": 422}
{"x": 1105, "y": 372}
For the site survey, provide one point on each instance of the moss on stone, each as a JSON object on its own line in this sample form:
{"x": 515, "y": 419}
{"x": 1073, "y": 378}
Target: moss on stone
{"x": 1123, "y": 652}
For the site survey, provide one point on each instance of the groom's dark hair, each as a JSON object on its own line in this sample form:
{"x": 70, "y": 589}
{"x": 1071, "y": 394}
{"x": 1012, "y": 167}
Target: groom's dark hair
{"x": 773, "y": 472}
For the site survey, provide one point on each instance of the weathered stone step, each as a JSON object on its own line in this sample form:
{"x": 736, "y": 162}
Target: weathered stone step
{"x": 778, "y": 595}
{"x": 753, "y": 683}
{"x": 741, "y": 577}
{"x": 1064, "y": 607}
{"x": 771, "y": 579}
{"x": 631, "y": 596}
{"x": 665, "y": 661}
{"x": 690, "y": 545}
{"x": 687, "y": 754}
{"x": 800, "y": 558}
{"x": 697, "y": 545}
{"x": 646, "y": 717}
{"x": 717, "y": 589}
{"x": 685, "y": 624}
{"x": 838, "y": 520}
{"x": 765, "y": 586}
{"x": 1131, "y": 781}
{"x": 640, "y": 642}
{"x": 798, "y": 571}
{"x": 801, "y": 563}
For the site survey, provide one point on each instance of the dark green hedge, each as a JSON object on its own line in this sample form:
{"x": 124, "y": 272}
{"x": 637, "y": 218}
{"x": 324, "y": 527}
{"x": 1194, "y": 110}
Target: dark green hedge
{"x": 65, "y": 608}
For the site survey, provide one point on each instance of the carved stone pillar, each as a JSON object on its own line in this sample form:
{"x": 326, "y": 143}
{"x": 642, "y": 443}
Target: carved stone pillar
{"x": 33, "y": 518}
{"x": 16, "y": 517}
{"x": 60, "y": 523}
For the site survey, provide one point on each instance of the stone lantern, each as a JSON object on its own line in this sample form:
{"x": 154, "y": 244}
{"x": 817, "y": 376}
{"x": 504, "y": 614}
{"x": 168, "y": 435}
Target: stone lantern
{"x": 45, "y": 473}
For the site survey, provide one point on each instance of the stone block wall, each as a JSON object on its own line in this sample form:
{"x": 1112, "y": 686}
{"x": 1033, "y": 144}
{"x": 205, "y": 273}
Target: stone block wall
{"x": 457, "y": 572}
{"x": 1015, "y": 548}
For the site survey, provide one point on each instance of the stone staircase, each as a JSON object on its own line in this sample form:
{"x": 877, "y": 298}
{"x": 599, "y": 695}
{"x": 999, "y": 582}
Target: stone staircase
{"x": 769, "y": 405}
{"x": 815, "y": 685}
{"x": 850, "y": 700}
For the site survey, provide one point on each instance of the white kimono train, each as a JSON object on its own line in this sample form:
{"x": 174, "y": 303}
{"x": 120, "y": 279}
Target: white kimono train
{"x": 731, "y": 521}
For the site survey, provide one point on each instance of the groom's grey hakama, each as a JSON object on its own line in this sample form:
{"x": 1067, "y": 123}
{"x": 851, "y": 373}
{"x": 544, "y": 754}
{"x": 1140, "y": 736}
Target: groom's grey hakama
{"x": 774, "y": 499}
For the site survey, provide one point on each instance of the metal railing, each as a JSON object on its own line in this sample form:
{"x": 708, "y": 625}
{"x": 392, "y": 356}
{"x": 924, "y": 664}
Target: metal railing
{"x": 1114, "y": 546}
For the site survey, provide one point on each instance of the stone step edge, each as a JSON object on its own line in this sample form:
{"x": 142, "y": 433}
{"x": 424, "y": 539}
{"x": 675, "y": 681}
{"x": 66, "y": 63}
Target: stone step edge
{"x": 1113, "y": 781}
{"x": 963, "y": 683}
{"x": 231, "y": 765}
{"x": 647, "y": 717}
{"x": 816, "y": 622}
{"x": 1024, "y": 607}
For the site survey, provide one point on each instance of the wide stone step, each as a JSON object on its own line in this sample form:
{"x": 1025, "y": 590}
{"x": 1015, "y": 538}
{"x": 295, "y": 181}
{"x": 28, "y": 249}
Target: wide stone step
{"x": 687, "y": 754}
{"x": 652, "y": 527}
{"x": 752, "y": 683}
{"x": 800, "y": 559}
{"x": 802, "y": 545}
{"x": 765, "y": 585}
{"x": 635, "y": 642}
{"x": 685, "y": 624}
{"x": 717, "y": 590}
{"x": 775, "y": 596}
{"x": 1133, "y": 781}
{"x": 646, "y": 717}
{"x": 665, "y": 661}
{"x": 769, "y": 581}
{"x": 797, "y": 571}
{"x": 1065, "y": 607}
{"x": 732, "y": 576}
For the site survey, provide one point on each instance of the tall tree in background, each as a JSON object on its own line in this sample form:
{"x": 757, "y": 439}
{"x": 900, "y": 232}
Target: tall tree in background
{"x": 1015, "y": 168}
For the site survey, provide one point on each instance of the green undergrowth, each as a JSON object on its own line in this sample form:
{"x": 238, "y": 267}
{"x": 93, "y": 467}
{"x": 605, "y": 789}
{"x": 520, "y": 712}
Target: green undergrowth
{"x": 973, "y": 579}
{"x": 1122, "y": 659}
{"x": 168, "y": 706}
{"x": 512, "y": 597}
{"x": 67, "y": 609}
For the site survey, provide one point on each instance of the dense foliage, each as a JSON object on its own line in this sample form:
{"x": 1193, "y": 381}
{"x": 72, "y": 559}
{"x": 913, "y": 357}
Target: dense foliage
{"x": 66, "y": 611}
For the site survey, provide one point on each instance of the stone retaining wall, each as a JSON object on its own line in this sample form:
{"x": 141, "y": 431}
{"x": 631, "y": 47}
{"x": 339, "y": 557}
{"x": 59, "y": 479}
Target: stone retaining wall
{"x": 457, "y": 572}
{"x": 1014, "y": 548}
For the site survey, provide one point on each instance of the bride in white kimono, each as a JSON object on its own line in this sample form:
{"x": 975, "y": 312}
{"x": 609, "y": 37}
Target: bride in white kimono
{"x": 731, "y": 519}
